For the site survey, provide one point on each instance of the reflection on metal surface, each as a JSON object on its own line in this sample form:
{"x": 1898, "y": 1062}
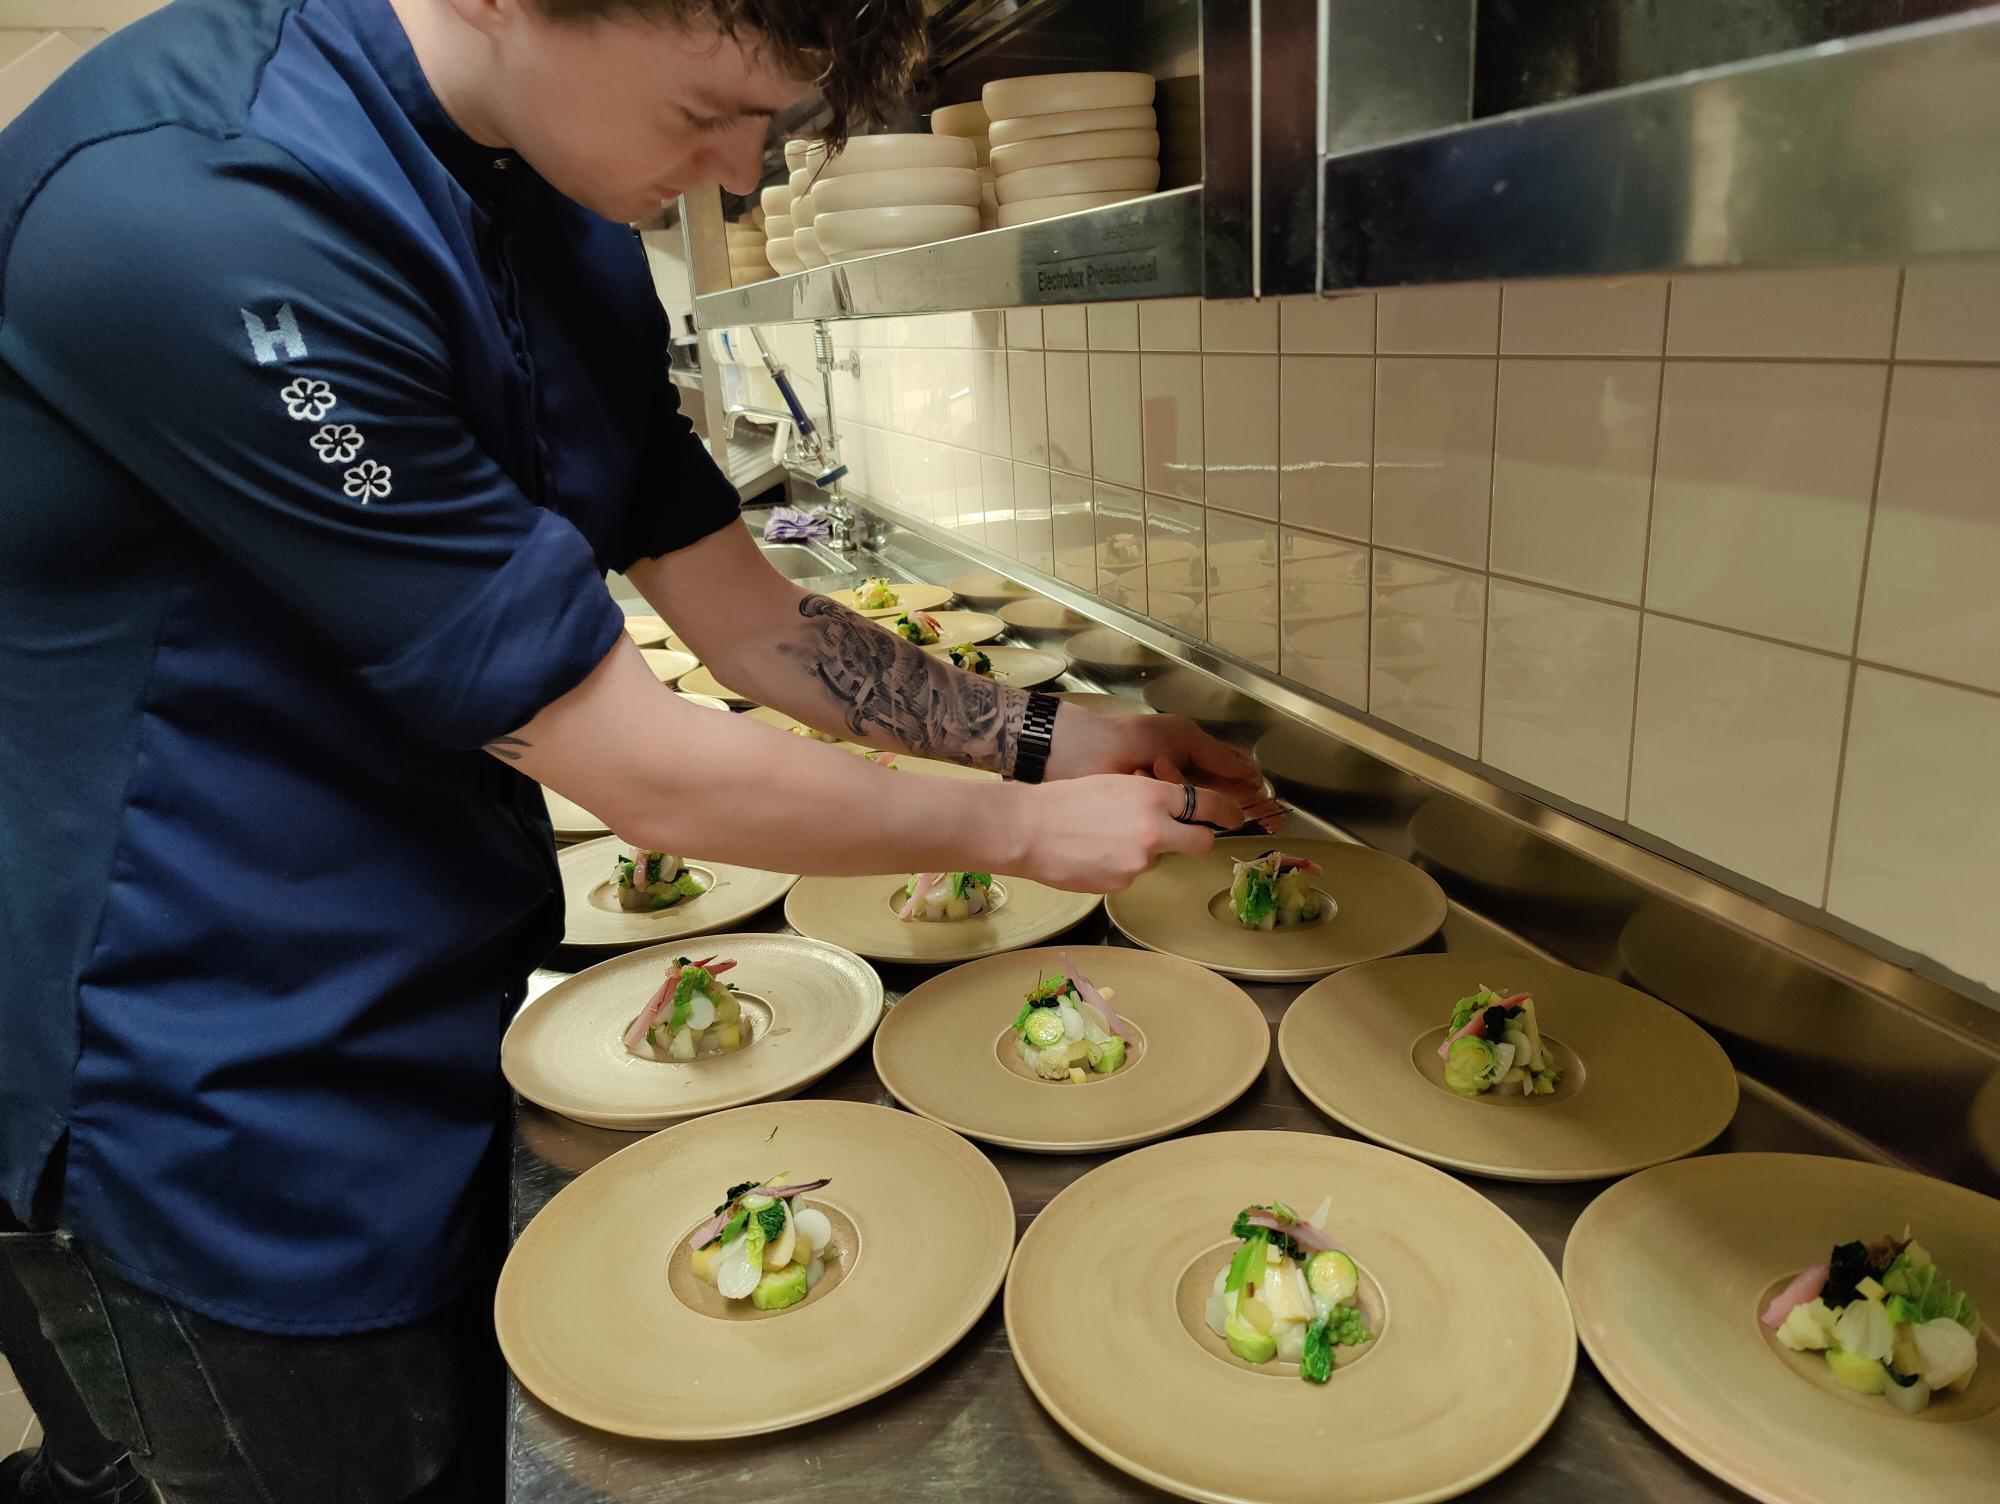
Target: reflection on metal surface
{"x": 1143, "y": 248}
{"x": 1877, "y": 149}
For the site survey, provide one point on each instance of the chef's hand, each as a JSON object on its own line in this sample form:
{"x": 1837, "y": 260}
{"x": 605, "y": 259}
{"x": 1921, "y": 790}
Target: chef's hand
{"x": 1095, "y": 834}
{"x": 1167, "y": 747}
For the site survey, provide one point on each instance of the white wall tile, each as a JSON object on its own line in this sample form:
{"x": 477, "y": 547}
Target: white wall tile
{"x": 1034, "y": 534}
{"x": 1933, "y": 592}
{"x": 1573, "y": 472}
{"x": 996, "y": 481}
{"x": 1024, "y": 328}
{"x": 1239, "y": 404}
{"x": 1434, "y": 457}
{"x": 1176, "y": 565}
{"x": 1068, "y": 374}
{"x": 1028, "y": 405}
{"x": 1113, "y": 326}
{"x": 992, "y": 412}
{"x": 1075, "y": 530}
{"x": 1560, "y": 673}
{"x": 1951, "y": 311}
{"x": 1247, "y": 326}
{"x": 1736, "y": 749}
{"x": 1309, "y": 325}
{"x": 1425, "y": 646}
{"x": 1243, "y": 586}
{"x": 1760, "y": 505}
{"x": 1323, "y": 615}
{"x": 967, "y": 497}
{"x": 989, "y": 329}
{"x": 960, "y": 412}
{"x": 1326, "y": 442}
{"x": 1563, "y": 317}
{"x": 1170, "y": 406}
{"x": 1116, "y": 451}
{"x": 1170, "y": 324}
{"x": 1808, "y": 313}
{"x": 1065, "y": 326}
{"x": 1121, "y": 545}
{"x": 1438, "y": 320}
{"x": 1917, "y": 851}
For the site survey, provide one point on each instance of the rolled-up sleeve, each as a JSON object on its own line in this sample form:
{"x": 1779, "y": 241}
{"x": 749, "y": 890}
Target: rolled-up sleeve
{"x": 281, "y": 386}
{"x": 682, "y": 495}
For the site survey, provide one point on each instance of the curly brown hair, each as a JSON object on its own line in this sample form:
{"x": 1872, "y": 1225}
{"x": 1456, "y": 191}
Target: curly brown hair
{"x": 861, "y": 54}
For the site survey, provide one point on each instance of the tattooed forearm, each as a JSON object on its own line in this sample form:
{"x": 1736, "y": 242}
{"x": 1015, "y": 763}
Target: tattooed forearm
{"x": 508, "y": 747}
{"x": 888, "y": 688}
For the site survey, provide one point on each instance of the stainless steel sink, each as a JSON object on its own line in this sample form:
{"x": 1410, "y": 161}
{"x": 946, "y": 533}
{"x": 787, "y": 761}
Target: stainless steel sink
{"x": 799, "y": 561}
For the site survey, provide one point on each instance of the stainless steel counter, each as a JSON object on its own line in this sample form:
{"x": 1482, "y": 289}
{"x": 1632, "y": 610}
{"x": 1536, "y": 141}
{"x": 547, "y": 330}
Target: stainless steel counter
{"x": 968, "y": 1428}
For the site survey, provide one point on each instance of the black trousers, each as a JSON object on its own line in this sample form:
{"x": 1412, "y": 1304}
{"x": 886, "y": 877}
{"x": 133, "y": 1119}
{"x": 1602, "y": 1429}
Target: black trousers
{"x": 216, "y": 1414}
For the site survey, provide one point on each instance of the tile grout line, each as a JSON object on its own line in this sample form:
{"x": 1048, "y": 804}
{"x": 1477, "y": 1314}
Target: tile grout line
{"x": 1486, "y": 561}
{"x": 1646, "y": 544}
{"x": 1861, "y": 597}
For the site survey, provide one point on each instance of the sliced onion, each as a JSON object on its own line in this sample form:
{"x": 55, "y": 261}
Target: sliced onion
{"x": 815, "y": 1228}
{"x": 1475, "y": 1025}
{"x": 1107, "y": 1016}
{"x": 920, "y": 886}
{"x": 1300, "y": 864}
{"x": 1797, "y": 1293}
{"x": 1308, "y": 1237}
{"x": 701, "y": 1013}
{"x": 736, "y": 1273}
{"x": 650, "y": 1014}
{"x": 815, "y": 1272}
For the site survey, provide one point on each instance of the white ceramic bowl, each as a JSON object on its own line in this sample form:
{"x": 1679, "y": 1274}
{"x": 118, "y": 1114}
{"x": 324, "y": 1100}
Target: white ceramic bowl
{"x": 802, "y": 181}
{"x": 1047, "y": 93}
{"x": 783, "y": 257}
{"x": 1133, "y": 174}
{"x": 898, "y": 153}
{"x": 805, "y": 245}
{"x": 863, "y": 231}
{"x": 895, "y": 190}
{"x": 1138, "y": 117}
{"x": 803, "y": 209}
{"x": 798, "y": 151}
{"x": 1029, "y": 210}
{"x": 778, "y": 227}
{"x": 1088, "y": 146}
{"x": 967, "y": 119}
{"x": 776, "y": 199}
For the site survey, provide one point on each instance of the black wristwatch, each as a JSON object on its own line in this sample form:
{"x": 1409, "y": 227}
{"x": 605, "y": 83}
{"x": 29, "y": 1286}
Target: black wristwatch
{"x": 1038, "y": 728}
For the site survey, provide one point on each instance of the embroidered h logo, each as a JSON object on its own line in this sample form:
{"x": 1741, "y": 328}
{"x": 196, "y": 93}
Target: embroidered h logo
{"x": 266, "y": 343}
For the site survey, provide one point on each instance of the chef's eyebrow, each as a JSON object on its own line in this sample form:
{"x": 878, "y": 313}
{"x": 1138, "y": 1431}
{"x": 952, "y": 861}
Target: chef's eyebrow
{"x": 707, "y": 104}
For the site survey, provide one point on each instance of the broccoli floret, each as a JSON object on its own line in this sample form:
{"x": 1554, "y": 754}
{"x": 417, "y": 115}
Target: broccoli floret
{"x": 772, "y": 1220}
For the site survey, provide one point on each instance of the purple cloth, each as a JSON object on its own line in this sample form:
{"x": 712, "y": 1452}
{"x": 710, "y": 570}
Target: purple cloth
{"x": 790, "y": 525}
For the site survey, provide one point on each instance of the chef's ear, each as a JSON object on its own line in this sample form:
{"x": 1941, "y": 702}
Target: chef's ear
{"x": 491, "y": 15}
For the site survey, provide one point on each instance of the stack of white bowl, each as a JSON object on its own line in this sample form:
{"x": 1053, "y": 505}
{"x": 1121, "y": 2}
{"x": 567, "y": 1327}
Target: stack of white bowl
{"x": 1067, "y": 141}
{"x": 747, "y": 261}
{"x": 775, "y": 203}
{"x": 803, "y": 159}
{"x": 888, "y": 193}
{"x": 969, "y": 120}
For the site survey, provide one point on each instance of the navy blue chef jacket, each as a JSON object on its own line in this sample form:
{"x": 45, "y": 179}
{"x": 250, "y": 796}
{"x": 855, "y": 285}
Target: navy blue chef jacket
{"x": 318, "y": 424}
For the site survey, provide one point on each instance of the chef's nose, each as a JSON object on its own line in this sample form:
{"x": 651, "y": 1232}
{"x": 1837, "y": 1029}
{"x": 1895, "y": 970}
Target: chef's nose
{"x": 740, "y": 158}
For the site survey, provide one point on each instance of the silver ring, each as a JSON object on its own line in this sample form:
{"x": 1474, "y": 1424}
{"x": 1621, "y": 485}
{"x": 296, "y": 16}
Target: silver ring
{"x": 1186, "y": 816}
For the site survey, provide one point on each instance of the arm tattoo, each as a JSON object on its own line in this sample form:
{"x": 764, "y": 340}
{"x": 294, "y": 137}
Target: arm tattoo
{"x": 887, "y": 687}
{"x": 505, "y": 747}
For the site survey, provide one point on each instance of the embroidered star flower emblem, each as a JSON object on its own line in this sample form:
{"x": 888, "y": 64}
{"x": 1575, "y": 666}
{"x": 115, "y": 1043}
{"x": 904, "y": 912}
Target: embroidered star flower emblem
{"x": 336, "y": 443}
{"x": 367, "y": 481}
{"x": 307, "y": 400}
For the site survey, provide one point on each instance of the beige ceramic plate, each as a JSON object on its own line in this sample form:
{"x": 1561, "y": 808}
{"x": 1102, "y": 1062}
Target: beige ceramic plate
{"x": 947, "y": 1050}
{"x": 955, "y": 627}
{"x": 1641, "y": 1082}
{"x": 700, "y": 681}
{"x": 1104, "y": 704}
{"x": 784, "y": 722}
{"x": 1025, "y": 667}
{"x": 599, "y": 1316}
{"x": 591, "y": 915}
{"x": 1436, "y": 1405}
{"x": 1107, "y": 647}
{"x": 911, "y": 595}
{"x": 810, "y": 1006}
{"x": 647, "y": 631}
{"x": 668, "y": 666}
{"x": 1385, "y": 906}
{"x": 931, "y": 767}
{"x": 984, "y": 587}
{"x": 1201, "y": 698}
{"x": 1669, "y": 1270}
{"x": 1039, "y": 615}
{"x": 707, "y": 702}
{"x": 859, "y": 913}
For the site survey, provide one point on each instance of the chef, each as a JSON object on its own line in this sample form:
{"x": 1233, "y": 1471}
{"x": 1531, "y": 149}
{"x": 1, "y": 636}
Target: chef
{"x": 331, "y": 384}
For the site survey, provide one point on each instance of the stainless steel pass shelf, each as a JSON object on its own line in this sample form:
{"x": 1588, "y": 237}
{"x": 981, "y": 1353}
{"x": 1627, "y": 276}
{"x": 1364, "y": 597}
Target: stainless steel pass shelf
{"x": 1878, "y": 148}
{"x": 1145, "y": 248}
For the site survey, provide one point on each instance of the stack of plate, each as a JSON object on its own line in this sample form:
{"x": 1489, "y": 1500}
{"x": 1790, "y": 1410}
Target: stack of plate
{"x": 747, "y": 261}
{"x": 803, "y": 159}
{"x": 776, "y": 204}
{"x": 969, "y": 120}
{"x": 1067, "y": 141}
{"x": 888, "y": 193}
